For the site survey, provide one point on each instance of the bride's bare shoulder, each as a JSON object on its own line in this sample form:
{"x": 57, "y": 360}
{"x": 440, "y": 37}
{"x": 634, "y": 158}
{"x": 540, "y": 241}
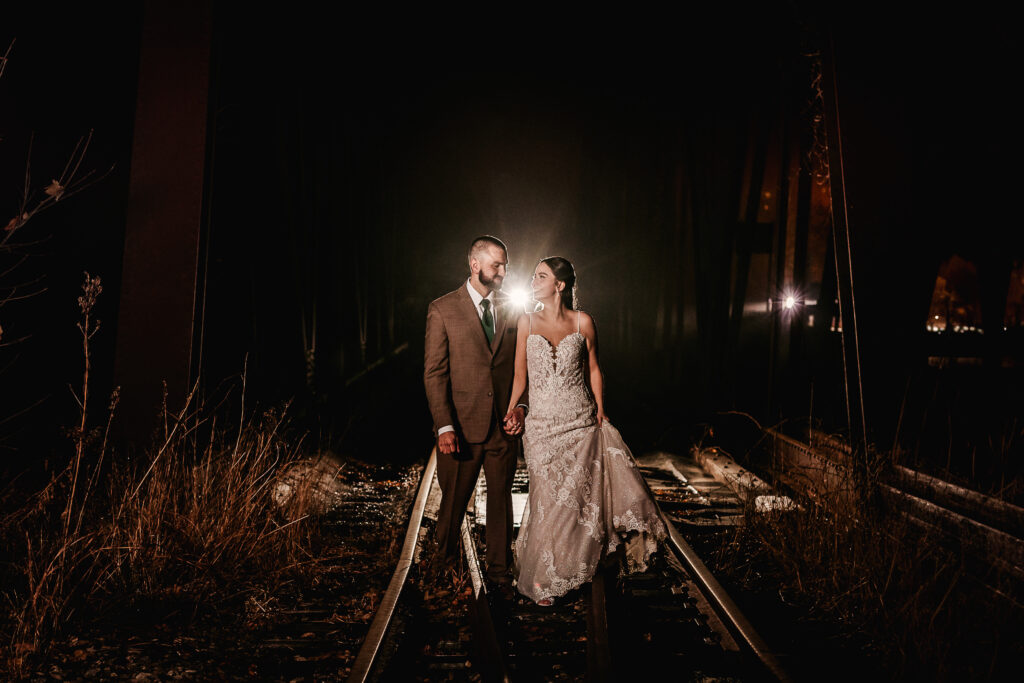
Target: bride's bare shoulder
{"x": 587, "y": 323}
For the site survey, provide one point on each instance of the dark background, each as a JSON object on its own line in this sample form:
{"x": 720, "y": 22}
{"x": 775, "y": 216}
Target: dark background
{"x": 352, "y": 162}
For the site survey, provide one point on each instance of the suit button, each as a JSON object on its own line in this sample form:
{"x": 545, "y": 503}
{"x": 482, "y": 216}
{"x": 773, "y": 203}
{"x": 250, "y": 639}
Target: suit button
{"x": 488, "y": 393}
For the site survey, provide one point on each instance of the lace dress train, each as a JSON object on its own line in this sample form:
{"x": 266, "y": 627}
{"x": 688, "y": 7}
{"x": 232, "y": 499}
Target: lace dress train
{"x": 586, "y": 493}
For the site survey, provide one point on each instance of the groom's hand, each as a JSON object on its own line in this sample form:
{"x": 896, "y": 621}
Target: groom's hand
{"x": 447, "y": 443}
{"x": 514, "y": 421}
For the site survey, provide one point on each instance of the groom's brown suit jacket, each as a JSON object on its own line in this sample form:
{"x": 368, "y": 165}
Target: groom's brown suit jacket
{"x": 467, "y": 380}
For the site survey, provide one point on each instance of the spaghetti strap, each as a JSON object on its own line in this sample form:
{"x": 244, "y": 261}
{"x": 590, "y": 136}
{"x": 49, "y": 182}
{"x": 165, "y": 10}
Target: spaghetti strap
{"x": 577, "y": 322}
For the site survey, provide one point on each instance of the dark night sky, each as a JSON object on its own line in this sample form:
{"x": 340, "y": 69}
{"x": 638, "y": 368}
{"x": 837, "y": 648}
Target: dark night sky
{"x": 355, "y": 159}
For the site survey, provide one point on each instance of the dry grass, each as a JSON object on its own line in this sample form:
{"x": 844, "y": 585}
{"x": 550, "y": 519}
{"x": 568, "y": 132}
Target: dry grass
{"x": 884, "y": 586}
{"x": 196, "y": 520}
{"x": 194, "y": 517}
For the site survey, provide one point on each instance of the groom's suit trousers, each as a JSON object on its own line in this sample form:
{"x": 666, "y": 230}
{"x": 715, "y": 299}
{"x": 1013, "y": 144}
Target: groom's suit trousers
{"x": 457, "y": 474}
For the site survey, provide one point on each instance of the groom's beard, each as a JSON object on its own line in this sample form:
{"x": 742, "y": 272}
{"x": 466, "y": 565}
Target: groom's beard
{"x": 492, "y": 283}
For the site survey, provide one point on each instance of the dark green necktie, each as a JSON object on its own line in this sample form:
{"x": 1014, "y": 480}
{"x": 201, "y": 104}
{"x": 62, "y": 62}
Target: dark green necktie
{"x": 488, "y": 320}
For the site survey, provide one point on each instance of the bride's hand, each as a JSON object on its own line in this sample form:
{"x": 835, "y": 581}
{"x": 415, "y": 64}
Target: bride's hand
{"x": 601, "y": 417}
{"x": 513, "y": 421}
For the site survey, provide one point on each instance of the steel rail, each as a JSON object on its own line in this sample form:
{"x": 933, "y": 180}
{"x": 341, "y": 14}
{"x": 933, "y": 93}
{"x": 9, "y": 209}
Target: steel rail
{"x": 492, "y": 664}
{"x": 599, "y": 661}
{"x": 378, "y": 627}
{"x": 727, "y": 610}
{"x": 709, "y": 586}
{"x": 472, "y": 561}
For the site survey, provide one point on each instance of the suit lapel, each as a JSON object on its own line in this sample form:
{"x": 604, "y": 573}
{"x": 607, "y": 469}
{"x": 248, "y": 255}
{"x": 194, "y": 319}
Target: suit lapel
{"x": 468, "y": 309}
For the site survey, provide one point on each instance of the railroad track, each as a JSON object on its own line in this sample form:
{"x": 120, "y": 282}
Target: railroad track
{"x": 675, "y": 617}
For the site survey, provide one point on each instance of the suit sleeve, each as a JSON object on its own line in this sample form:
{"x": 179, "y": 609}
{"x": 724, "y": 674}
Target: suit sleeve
{"x": 436, "y": 377}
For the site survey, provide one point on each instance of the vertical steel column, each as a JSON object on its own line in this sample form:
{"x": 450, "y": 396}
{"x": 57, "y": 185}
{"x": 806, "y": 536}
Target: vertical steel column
{"x": 165, "y": 209}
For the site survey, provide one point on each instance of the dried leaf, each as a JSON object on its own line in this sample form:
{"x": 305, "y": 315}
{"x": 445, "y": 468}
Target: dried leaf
{"x": 55, "y": 190}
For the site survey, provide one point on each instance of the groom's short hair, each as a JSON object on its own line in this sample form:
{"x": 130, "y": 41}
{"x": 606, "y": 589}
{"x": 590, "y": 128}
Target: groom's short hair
{"x": 481, "y": 244}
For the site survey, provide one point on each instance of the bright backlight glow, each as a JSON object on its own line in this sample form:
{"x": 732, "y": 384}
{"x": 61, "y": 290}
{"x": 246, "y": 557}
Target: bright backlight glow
{"x": 519, "y": 297}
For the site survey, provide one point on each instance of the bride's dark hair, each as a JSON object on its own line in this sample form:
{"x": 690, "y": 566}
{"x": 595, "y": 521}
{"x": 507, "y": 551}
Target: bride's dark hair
{"x": 564, "y": 272}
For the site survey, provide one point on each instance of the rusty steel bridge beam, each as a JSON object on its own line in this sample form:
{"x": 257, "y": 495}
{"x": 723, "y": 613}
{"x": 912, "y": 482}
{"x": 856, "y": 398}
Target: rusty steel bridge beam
{"x": 164, "y": 213}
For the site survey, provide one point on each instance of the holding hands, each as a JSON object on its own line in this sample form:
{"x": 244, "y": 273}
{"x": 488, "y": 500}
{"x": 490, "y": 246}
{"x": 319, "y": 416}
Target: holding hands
{"x": 513, "y": 421}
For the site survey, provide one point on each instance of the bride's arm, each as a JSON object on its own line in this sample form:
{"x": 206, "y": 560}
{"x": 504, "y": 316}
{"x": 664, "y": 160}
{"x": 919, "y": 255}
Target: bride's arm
{"x": 594, "y": 376}
{"x": 520, "y": 379}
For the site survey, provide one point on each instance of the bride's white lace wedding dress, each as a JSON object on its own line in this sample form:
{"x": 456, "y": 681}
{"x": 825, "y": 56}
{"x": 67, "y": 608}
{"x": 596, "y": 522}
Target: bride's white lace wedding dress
{"x": 586, "y": 493}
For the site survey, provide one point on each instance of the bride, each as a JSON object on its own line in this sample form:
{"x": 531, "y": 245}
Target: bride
{"x": 586, "y": 493}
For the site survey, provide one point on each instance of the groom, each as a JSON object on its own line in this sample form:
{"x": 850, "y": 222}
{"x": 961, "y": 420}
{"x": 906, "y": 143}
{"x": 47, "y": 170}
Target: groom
{"x": 469, "y": 363}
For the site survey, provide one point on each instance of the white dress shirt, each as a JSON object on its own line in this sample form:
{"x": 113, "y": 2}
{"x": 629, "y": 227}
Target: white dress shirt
{"x": 475, "y": 296}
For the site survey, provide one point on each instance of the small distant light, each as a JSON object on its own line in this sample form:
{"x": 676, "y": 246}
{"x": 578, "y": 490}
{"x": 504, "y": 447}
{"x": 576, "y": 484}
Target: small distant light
{"x": 936, "y": 317}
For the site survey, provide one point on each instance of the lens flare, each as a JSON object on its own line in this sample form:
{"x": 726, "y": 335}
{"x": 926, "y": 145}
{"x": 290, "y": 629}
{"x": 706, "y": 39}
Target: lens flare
{"x": 519, "y": 297}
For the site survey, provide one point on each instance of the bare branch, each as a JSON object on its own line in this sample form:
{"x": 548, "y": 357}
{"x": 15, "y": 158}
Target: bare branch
{"x": 28, "y": 175}
{"x": 23, "y": 410}
{"x": 13, "y": 297}
{"x": 75, "y": 395}
{"x": 78, "y": 163}
{"x": 17, "y": 246}
{"x": 61, "y": 188}
{"x": 13, "y": 289}
{"x": 15, "y": 341}
{"x": 14, "y": 266}
{"x": 7, "y": 54}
